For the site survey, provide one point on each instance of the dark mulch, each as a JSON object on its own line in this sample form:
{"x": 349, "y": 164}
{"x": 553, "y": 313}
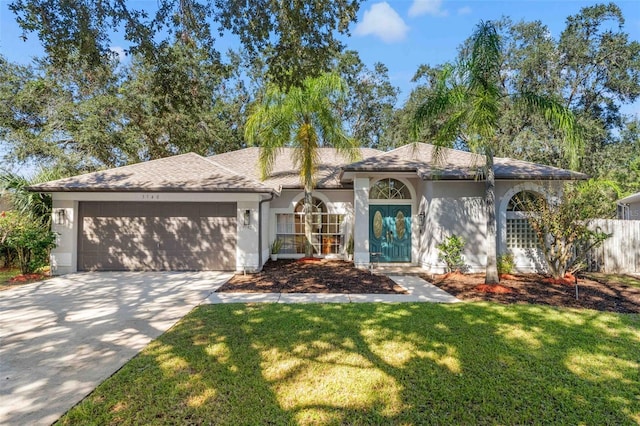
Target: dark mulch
{"x": 335, "y": 276}
{"x": 326, "y": 276}
{"x": 532, "y": 288}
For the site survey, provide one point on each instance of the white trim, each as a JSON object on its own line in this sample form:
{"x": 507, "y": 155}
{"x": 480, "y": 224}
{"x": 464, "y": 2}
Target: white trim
{"x": 203, "y": 197}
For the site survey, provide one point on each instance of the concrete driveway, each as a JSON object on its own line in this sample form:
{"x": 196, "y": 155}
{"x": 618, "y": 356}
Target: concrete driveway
{"x": 62, "y": 337}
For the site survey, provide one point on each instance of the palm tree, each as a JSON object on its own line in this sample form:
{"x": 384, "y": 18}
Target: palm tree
{"x": 467, "y": 104}
{"x": 33, "y": 204}
{"x": 304, "y": 118}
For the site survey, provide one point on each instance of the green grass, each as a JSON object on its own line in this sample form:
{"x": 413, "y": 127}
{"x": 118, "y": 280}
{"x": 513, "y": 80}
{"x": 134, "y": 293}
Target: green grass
{"x": 6, "y": 275}
{"x": 379, "y": 364}
{"x": 613, "y": 278}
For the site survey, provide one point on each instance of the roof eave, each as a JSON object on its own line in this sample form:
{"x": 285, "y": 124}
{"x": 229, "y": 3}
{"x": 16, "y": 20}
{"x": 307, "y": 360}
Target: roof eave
{"x": 166, "y": 190}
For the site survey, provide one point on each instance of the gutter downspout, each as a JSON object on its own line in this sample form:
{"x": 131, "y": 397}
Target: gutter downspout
{"x": 260, "y": 228}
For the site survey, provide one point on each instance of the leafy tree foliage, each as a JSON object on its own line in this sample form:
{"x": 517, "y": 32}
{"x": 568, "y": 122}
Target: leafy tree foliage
{"x": 303, "y": 118}
{"x": 27, "y": 238}
{"x": 36, "y": 206}
{"x": 564, "y": 227}
{"x": 124, "y": 113}
{"x": 369, "y": 102}
{"x": 298, "y": 37}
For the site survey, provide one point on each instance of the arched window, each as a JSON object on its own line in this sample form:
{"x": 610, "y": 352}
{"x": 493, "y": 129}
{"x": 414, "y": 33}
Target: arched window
{"x": 520, "y": 234}
{"x": 389, "y": 189}
{"x": 326, "y": 229}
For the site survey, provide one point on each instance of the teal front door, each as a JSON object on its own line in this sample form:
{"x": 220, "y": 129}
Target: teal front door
{"x": 390, "y": 233}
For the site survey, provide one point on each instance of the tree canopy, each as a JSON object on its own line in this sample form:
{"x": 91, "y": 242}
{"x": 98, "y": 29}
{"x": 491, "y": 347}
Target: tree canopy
{"x": 297, "y": 37}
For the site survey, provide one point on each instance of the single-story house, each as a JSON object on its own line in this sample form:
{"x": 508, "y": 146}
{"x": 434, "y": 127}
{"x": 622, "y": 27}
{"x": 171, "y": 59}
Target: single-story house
{"x": 188, "y": 212}
{"x": 629, "y": 207}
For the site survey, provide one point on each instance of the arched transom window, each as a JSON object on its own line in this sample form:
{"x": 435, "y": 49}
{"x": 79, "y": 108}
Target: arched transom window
{"x": 389, "y": 189}
{"x": 520, "y": 234}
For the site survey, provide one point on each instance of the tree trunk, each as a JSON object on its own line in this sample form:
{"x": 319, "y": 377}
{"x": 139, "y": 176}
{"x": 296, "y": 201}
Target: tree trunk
{"x": 308, "y": 222}
{"x": 491, "y": 276}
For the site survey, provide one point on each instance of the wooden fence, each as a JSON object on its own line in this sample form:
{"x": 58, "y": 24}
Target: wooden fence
{"x": 619, "y": 253}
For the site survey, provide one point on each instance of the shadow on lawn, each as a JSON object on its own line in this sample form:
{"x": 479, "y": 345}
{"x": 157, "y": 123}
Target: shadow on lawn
{"x": 381, "y": 364}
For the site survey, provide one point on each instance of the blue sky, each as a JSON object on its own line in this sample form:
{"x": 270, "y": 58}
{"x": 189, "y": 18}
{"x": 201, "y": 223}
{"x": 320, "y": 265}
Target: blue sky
{"x": 402, "y": 34}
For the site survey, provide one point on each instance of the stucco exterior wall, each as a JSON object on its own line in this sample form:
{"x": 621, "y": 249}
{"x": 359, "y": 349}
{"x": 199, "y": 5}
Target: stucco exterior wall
{"x": 634, "y": 211}
{"x": 453, "y": 207}
{"x": 266, "y": 215}
{"x": 247, "y": 259}
{"x": 361, "y": 218}
{"x": 64, "y": 256}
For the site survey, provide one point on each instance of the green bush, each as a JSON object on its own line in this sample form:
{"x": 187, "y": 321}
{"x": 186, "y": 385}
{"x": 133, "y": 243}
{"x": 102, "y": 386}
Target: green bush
{"x": 30, "y": 240}
{"x": 276, "y": 246}
{"x": 451, "y": 252}
{"x": 506, "y": 263}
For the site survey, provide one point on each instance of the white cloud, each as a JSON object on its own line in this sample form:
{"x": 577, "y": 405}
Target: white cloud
{"x": 119, "y": 53}
{"x": 465, "y": 10}
{"x": 383, "y": 22}
{"x": 427, "y": 7}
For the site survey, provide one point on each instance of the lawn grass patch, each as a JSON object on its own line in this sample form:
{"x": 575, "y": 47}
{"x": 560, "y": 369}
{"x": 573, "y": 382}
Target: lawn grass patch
{"x": 616, "y": 279}
{"x": 379, "y": 364}
{"x": 6, "y": 275}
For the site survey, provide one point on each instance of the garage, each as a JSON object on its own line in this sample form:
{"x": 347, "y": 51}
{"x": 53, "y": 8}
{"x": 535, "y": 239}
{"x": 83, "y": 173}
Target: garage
{"x": 156, "y": 236}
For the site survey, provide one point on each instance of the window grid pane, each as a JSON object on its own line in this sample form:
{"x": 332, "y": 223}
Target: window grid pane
{"x": 520, "y": 234}
{"x": 326, "y": 233}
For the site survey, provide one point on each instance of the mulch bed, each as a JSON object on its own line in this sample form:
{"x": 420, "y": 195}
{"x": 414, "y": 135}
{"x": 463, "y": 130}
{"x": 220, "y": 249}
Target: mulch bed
{"x": 26, "y": 278}
{"x": 537, "y": 289}
{"x": 335, "y": 276}
{"x": 325, "y": 276}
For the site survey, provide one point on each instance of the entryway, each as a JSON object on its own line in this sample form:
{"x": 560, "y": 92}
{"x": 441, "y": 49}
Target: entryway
{"x": 390, "y": 233}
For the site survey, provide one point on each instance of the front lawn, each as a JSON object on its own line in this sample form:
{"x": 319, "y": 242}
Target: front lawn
{"x": 379, "y": 364}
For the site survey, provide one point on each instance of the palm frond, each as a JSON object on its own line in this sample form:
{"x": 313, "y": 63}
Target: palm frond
{"x": 303, "y": 118}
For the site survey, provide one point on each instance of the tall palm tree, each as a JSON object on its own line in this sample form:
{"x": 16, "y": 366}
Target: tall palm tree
{"x": 303, "y": 118}
{"x": 467, "y": 102}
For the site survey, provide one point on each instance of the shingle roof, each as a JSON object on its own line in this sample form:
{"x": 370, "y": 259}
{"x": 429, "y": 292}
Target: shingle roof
{"x": 187, "y": 172}
{"x": 284, "y": 174}
{"x": 238, "y": 171}
{"x": 633, "y": 198}
{"x": 455, "y": 164}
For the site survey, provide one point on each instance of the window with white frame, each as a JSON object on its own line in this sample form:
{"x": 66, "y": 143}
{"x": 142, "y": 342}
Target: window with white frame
{"x": 326, "y": 230}
{"x": 519, "y": 233}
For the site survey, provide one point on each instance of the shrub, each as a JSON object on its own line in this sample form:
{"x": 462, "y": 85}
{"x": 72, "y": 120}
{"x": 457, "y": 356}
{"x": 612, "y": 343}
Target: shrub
{"x": 506, "y": 263}
{"x": 563, "y": 226}
{"x": 276, "y": 246}
{"x": 451, "y": 252}
{"x": 30, "y": 240}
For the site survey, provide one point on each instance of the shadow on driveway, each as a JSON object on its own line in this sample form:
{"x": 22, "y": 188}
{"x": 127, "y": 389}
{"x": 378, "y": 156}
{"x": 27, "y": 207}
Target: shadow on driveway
{"x": 62, "y": 337}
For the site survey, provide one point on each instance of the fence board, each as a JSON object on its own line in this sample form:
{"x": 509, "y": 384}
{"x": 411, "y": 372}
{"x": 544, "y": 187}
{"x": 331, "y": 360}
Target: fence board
{"x": 619, "y": 253}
